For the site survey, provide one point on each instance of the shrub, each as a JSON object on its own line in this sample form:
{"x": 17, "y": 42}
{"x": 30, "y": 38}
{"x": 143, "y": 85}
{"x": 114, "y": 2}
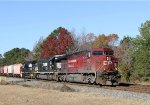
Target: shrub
{"x": 145, "y": 79}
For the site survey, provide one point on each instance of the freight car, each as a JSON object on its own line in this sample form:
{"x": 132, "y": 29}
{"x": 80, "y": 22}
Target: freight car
{"x": 5, "y": 73}
{"x": 17, "y": 70}
{"x": 1, "y": 71}
{"x": 10, "y": 70}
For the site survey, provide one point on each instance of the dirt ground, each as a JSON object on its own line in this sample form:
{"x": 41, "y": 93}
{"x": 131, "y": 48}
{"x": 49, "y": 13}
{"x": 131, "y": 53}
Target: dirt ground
{"x": 19, "y": 95}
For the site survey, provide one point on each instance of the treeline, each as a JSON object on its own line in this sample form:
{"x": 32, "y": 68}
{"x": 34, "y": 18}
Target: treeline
{"x": 61, "y": 41}
{"x": 16, "y": 55}
{"x": 133, "y": 53}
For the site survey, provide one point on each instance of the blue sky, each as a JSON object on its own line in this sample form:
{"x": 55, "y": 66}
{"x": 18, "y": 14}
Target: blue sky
{"x": 23, "y": 23}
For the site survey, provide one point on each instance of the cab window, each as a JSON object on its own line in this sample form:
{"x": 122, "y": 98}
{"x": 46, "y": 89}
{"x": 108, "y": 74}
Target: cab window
{"x": 27, "y": 65}
{"x": 97, "y": 53}
{"x": 108, "y": 52}
{"x": 45, "y": 66}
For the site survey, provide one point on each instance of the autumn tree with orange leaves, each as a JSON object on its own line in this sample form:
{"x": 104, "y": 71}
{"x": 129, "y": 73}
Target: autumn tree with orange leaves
{"x": 105, "y": 41}
{"x": 58, "y": 42}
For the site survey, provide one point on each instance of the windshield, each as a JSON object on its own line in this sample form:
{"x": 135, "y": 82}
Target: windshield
{"x": 97, "y": 53}
{"x": 108, "y": 52}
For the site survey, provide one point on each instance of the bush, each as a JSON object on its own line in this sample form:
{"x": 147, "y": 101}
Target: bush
{"x": 140, "y": 75}
{"x": 145, "y": 79}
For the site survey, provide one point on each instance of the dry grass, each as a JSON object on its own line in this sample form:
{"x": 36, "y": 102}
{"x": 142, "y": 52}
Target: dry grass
{"x": 66, "y": 88}
{"x": 15, "y": 95}
{"x": 3, "y": 82}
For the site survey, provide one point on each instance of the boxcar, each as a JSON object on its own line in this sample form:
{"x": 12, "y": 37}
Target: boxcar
{"x": 17, "y": 70}
{"x": 10, "y": 70}
{"x": 1, "y": 71}
{"x": 5, "y": 70}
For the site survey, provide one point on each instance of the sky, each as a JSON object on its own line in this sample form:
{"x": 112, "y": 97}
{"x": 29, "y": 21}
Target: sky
{"x": 22, "y": 23}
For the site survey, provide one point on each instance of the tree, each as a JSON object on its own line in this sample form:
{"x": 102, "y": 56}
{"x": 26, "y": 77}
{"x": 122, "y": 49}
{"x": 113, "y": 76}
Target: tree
{"x": 112, "y": 40}
{"x": 30, "y": 57}
{"x": 75, "y": 46}
{"x": 123, "y": 53}
{"x": 16, "y": 55}
{"x": 85, "y": 41}
{"x": 1, "y": 56}
{"x": 49, "y": 47}
{"x": 58, "y": 42}
{"x": 37, "y": 49}
{"x": 1, "y": 60}
{"x": 141, "y": 50}
{"x": 142, "y": 47}
{"x": 105, "y": 41}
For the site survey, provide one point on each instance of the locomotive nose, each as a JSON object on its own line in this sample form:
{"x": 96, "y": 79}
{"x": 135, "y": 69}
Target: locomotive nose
{"x": 107, "y": 61}
{"x": 108, "y": 64}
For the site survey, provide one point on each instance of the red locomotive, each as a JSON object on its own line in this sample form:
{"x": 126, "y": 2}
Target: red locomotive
{"x": 96, "y": 66}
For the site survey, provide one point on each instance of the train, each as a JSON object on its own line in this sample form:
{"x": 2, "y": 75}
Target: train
{"x": 95, "y": 66}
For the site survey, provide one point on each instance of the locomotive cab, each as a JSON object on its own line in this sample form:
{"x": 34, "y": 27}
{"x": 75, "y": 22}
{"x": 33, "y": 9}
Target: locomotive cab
{"x": 105, "y": 65}
{"x": 49, "y": 68}
{"x": 104, "y": 60}
{"x": 29, "y": 69}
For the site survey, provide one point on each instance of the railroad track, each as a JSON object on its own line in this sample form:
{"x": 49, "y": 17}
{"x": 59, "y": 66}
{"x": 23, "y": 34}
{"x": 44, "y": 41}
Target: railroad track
{"x": 123, "y": 86}
{"x": 132, "y": 88}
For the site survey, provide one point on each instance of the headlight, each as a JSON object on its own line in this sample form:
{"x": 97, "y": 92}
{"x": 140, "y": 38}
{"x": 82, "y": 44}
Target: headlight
{"x": 109, "y": 62}
{"x": 108, "y": 58}
{"x": 105, "y": 63}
